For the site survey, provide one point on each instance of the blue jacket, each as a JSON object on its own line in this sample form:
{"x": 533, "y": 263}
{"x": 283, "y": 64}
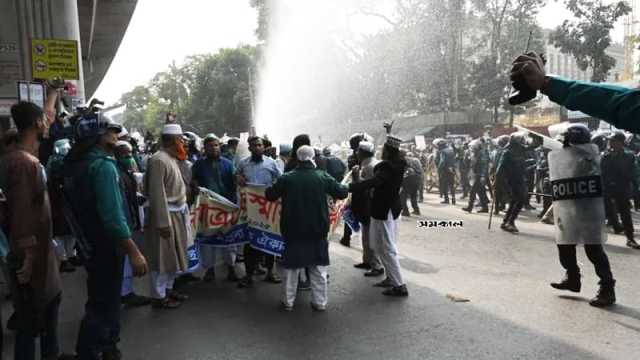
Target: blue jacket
{"x": 218, "y": 179}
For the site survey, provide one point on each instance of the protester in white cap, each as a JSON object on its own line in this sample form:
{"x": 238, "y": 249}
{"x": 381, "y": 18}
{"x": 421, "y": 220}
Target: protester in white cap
{"x": 385, "y": 210}
{"x": 166, "y": 231}
{"x": 361, "y": 208}
{"x": 304, "y": 225}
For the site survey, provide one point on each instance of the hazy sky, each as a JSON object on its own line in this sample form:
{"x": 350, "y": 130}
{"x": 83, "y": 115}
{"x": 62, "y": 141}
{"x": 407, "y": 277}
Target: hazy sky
{"x": 165, "y": 30}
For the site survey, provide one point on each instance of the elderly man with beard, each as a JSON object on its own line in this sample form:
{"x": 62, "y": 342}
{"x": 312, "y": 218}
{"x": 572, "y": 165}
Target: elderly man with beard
{"x": 305, "y": 225}
{"x": 166, "y": 223}
{"x": 93, "y": 186}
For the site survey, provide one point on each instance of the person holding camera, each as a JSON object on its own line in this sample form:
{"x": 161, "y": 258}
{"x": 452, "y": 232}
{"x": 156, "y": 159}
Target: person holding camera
{"x": 92, "y": 185}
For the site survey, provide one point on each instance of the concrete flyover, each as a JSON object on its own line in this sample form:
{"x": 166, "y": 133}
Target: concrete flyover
{"x": 98, "y": 25}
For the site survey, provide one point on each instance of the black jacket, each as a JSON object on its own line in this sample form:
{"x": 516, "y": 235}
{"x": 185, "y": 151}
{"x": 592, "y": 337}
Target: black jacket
{"x": 386, "y": 184}
{"x": 618, "y": 173}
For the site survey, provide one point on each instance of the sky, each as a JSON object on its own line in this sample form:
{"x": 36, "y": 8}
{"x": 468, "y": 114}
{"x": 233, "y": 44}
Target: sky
{"x": 152, "y": 42}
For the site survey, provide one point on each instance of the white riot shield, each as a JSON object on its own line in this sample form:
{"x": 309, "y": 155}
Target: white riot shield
{"x": 578, "y": 207}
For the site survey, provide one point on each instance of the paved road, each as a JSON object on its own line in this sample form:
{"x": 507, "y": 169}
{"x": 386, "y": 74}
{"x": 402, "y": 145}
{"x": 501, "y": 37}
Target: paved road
{"x": 512, "y": 313}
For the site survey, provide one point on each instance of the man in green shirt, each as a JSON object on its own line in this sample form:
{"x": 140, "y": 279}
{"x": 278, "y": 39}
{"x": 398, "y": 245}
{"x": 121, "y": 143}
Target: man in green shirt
{"x": 616, "y": 105}
{"x": 92, "y": 185}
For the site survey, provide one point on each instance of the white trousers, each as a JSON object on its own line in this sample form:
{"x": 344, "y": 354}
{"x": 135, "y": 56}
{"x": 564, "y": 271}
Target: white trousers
{"x": 160, "y": 283}
{"x": 318, "y": 279}
{"x": 209, "y": 256}
{"x": 383, "y": 237}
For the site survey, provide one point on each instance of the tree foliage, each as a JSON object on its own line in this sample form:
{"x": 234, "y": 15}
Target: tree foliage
{"x": 588, "y": 37}
{"x": 210, "y": 93}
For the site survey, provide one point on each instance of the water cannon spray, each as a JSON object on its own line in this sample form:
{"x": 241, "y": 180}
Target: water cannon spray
{"x": 523, "y": 92}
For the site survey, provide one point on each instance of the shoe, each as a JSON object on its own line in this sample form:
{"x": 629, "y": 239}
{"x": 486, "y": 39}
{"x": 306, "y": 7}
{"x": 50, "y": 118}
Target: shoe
{"x": 529, "y": 207}
{"x": 166, "y": 303}
{"x": 633, "y": 244}
{"x": 483, "y": 210}
{"x": 618, "y": 231}
{"x": 445, "y": 201}
{"x": 67, "y": 267}
{"x": 134, "y": 300}
{"x": 606, "y": 295}
{"x": 345, "y": 242}
{"x": 374, "y": 272}
{"x": 209, "y": 276}
{"x": 503, "y": 226}
{"x": 231, "y": 275}
{"x": 362, "y": 266}
{"x": 245, "y": 283}
{"x": 273, "y": 278}
{"x": 318, "y": 307}
{"x": 570, "y": 283}
{"x": 112, "y": 355}
{"x": 259, "y": 271}
{"x": 509, "y": 228}
{"x": 416, "y": 212}
{"x": 386, "y": 283}
{"x": 304, "y": 285}
{"x": 406, "y": 214}
{"x": 467, "y": 209}
{"x": 285, "y": 307}
{"x": 453, "y": 201}
{"x": 398, "y": 291}
{"x": 177, "y": 296}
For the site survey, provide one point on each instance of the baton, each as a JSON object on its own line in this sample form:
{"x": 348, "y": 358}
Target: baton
{"x": 493, "y": 203}
{"x": 540, "y": 194}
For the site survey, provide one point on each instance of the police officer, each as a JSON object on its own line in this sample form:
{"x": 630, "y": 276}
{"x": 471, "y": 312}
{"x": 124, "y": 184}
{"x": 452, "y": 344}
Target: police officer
{"x": 479, "y": 163}
{"x": 512, "y": 169}
{"x": 92, "y": 184}
{"x": 618, "y": 175}
{"x": 446, "y": 162}
{"x": 582, "y": 214}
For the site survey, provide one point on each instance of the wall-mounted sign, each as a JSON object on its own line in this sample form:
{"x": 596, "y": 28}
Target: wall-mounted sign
{"x": 54, "y": 58}
{"x": 31, "y": 91}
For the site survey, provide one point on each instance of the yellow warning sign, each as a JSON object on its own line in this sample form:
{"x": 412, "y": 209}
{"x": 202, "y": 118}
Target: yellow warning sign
{"x": 54, "y": 58}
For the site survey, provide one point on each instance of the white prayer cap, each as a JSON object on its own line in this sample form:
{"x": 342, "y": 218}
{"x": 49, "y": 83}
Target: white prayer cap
{"x": 123, "y": 133}
{"x": 367, "y": 146}
{"x": 306, "y": 153}
{"x": 125, "y": 144}
{"x": 172, "y": 129}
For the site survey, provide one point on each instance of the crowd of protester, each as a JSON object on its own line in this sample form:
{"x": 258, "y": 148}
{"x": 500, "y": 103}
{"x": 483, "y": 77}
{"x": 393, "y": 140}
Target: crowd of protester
{"x": 81, "y": 191}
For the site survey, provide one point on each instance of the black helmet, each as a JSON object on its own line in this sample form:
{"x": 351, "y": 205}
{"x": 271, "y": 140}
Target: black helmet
{"x": 576, "y": 134}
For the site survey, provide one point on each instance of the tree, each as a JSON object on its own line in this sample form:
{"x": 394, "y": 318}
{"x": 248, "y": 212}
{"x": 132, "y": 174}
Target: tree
{"x": 589, "y": 36}
{"x": 264, "y": 12}
{"x": 136, "y": 102}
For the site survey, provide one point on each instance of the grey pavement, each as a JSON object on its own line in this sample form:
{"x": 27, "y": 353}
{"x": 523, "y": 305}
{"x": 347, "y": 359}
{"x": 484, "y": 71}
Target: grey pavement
{"x": 512, "y": 312}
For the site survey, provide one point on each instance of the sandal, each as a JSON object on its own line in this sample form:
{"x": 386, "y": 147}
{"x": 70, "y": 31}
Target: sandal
{"x": 172, "y": 294}
{"x": 273, "y": 278}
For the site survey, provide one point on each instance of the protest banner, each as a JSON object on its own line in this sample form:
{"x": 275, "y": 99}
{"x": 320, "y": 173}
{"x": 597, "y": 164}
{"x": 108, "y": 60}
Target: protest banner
{"x": 263, "y": 220}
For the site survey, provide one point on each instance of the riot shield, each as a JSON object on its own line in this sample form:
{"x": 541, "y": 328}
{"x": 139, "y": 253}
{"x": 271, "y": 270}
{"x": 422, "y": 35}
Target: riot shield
{"x": 578, "y": 206}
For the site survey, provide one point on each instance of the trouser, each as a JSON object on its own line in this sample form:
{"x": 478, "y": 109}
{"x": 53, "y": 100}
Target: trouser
{"x": 161, "y": 283}
{"x": 383, "y": 236}
{"x": 421, "y": 189}
{"x": 619, "y": 203}
{"x": 518, "y": 197}
{"x": 448, "y": 184}
{"x": 209, "y": 255}
{"x": 347, "y": 233}
{"x": 478, "y": 188}
{"x": 464, "y": 179}
{"x": 369, "y": 255}
{"x": 100, "y": 327}
{"x": 530, "y": 187}
{"x": 25, "y": 344}
{"x": 252, "y": 257}
{"x": 317, "y": 278}
{"x": 410, "y": 190}
{"x": 127, "y": 277}
{"x": 596, "y": 255}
